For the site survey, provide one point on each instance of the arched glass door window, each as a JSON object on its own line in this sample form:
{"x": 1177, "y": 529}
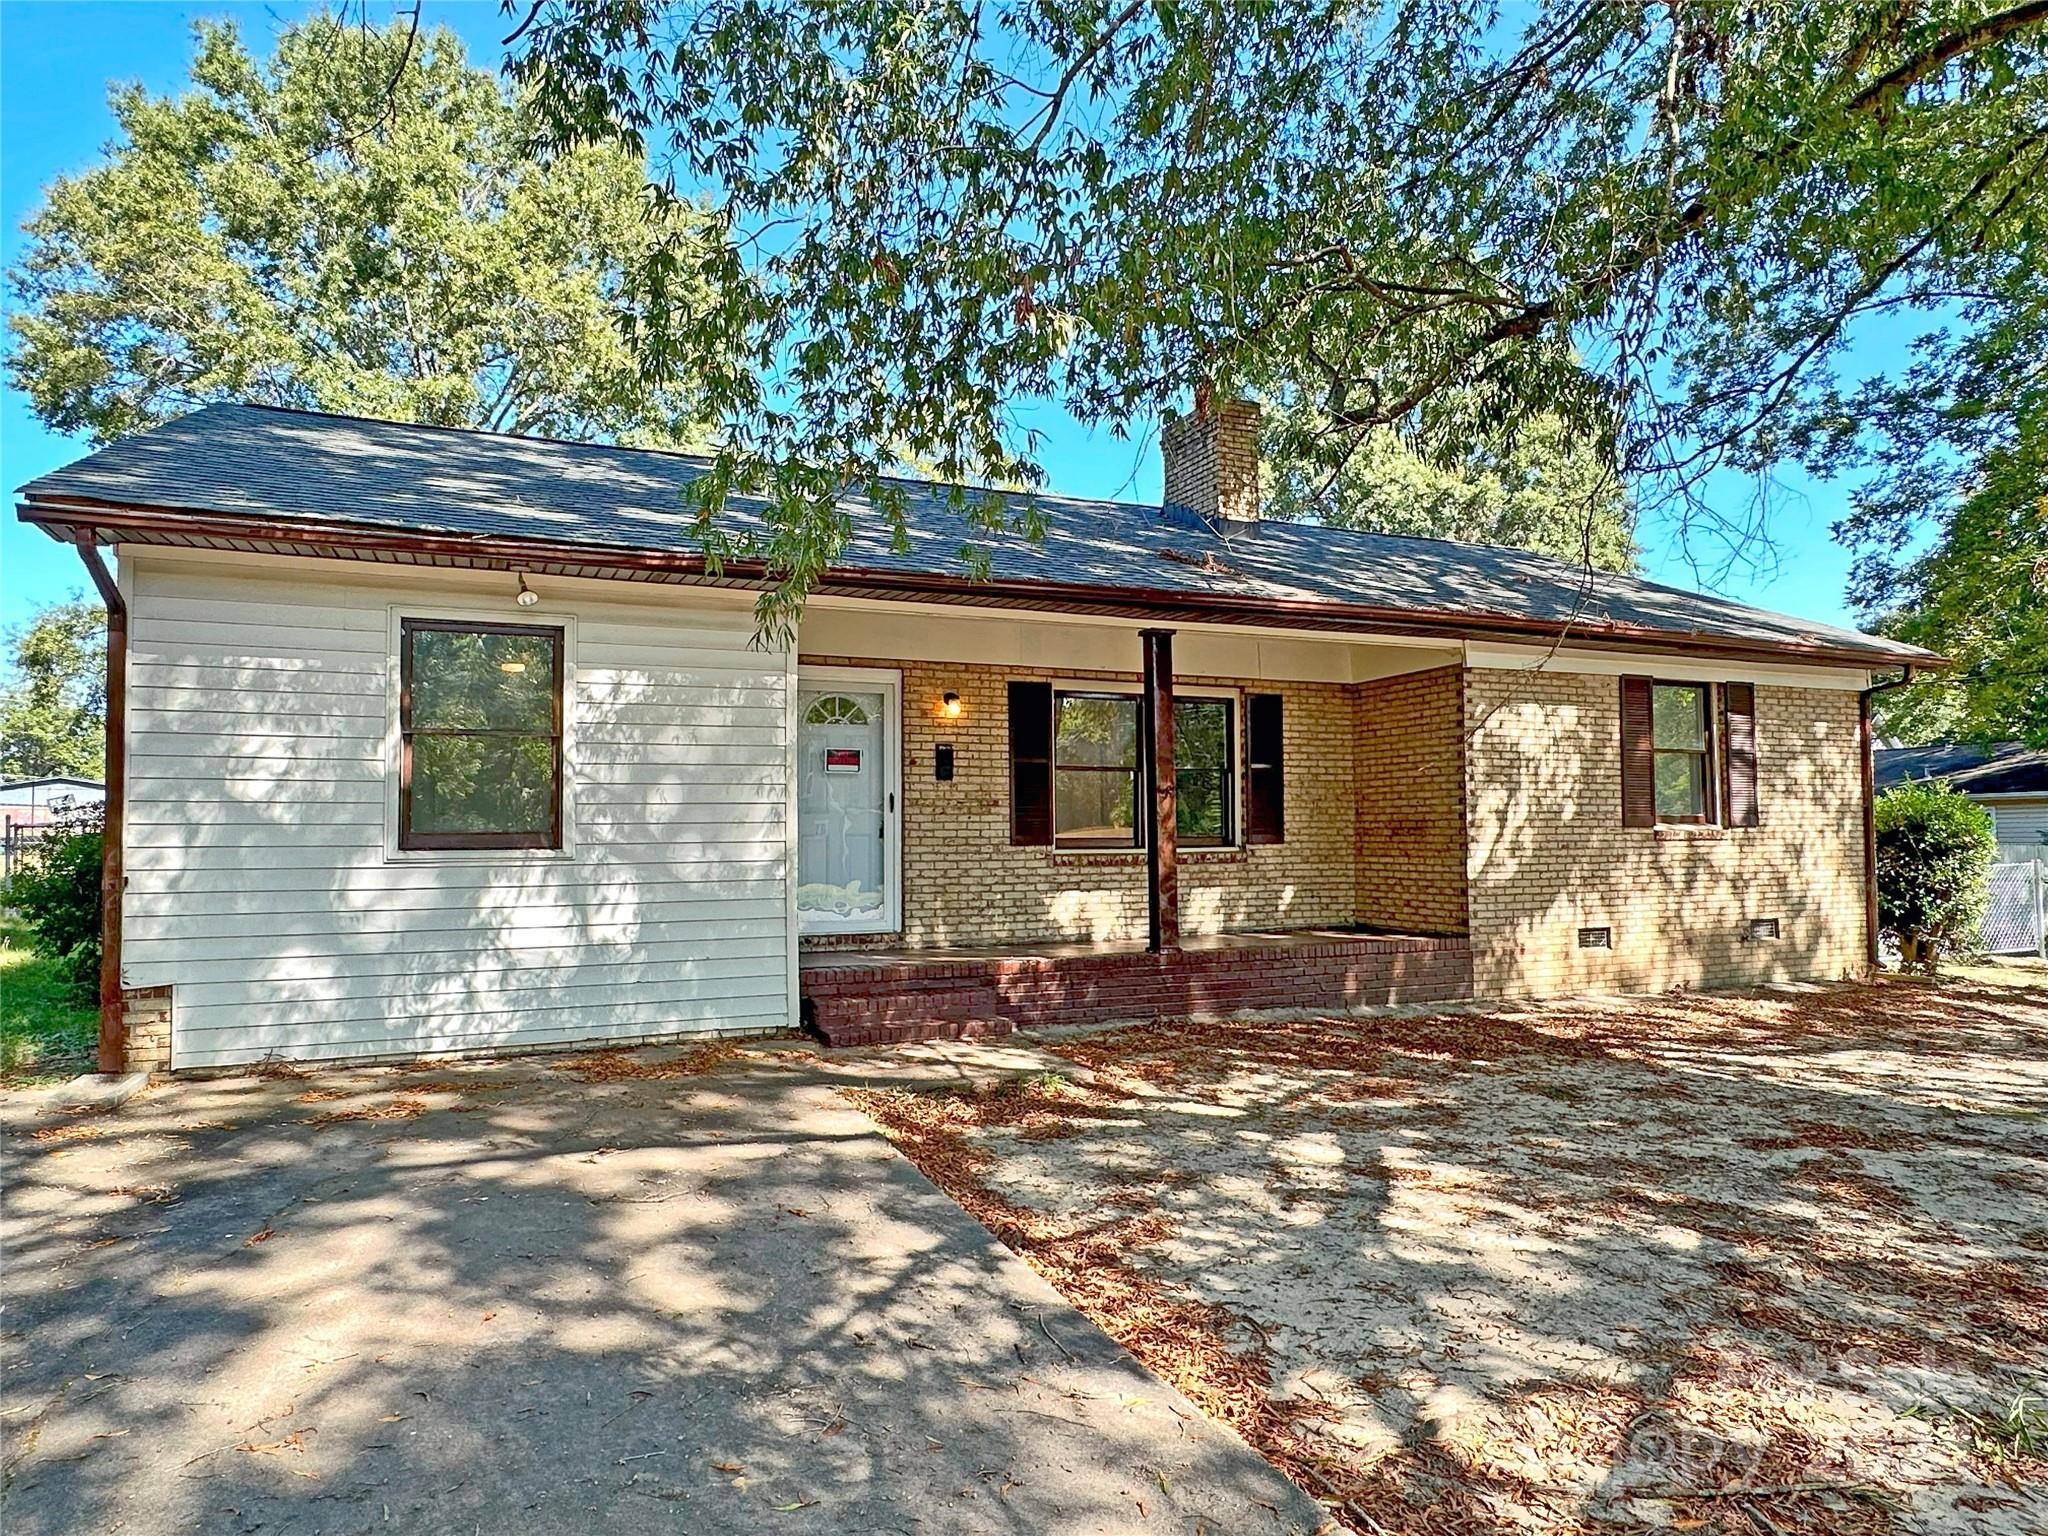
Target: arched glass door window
{"x": 836, "y": 709}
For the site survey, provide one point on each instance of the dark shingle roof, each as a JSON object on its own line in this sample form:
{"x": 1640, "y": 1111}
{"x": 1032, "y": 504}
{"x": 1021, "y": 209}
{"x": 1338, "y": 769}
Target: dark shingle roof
{"x": 2003, "y": 768}
{"x": 301, "y": 466}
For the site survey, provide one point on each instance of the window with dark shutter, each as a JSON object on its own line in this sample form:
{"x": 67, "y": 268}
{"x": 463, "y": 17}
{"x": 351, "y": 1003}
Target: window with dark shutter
{"x": 1265, "y": 779}
{"x": 1638, "y": 755}
{"x": 1738, "y": 710}
{"x": 1682, "y": 752}
{"x": 1688, "y": 754}
{"x": 1031, "y": 764}
{"x": 1095, "y": 771}
{"x": 1204, "y": 772}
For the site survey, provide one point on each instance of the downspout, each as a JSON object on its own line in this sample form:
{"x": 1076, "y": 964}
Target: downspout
{"x": 1870, "y": 810}
{"x": 113, "y": 1014}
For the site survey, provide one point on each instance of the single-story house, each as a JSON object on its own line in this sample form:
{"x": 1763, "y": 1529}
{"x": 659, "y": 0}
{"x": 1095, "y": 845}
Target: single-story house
{"x": 2008, "y": 778}
{"x": 430, "y": 741}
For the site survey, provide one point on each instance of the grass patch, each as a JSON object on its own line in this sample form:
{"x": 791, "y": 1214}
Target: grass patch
{"x": 48, "y": 1031}
{"x": 2014, "y": 1429}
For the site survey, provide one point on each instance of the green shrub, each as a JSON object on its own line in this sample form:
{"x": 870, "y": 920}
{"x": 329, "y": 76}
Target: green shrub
{"x": 47, "y": 1030}
{"x": 56, "y": 890}
{"x": 1934, "y": 854}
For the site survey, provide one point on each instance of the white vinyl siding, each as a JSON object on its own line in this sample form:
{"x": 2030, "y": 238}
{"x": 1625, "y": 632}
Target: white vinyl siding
{"x": 2022, "y": 828}
{"x": 263, "y": 886}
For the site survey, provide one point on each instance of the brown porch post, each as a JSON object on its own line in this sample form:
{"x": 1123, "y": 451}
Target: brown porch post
{"x": 113, "y": 1045}
{"x": 1162, "y": 844}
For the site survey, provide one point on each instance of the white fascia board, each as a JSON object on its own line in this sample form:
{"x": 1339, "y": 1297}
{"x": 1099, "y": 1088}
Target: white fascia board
{"x": 1707, "y": 669}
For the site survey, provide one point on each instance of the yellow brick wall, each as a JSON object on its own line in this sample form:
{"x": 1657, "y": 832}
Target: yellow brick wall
{"x": 1445, "y": 801}
{"x": 963, "y": 884}
{"x": 1411, "y": 801}
{"x": 1211, "y": 460}
{"x": 146, "y": 1013}
{"x": 1549, "y": 855}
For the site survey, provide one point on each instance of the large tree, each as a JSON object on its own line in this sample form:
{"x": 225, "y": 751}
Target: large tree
{"x": 1952, "y": 528}
{"x": 1979, "y": 595}
{"x": 358, "y": 223}
{"x": 1541, "y": 487}
{"x": 53, "y": 700}
{"x": 1666, "y": 221}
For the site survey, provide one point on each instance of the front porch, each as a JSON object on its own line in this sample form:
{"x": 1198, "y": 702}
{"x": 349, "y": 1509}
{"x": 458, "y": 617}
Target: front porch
{"x": 1087, "y": 835}
{"x": 883, "y": 997}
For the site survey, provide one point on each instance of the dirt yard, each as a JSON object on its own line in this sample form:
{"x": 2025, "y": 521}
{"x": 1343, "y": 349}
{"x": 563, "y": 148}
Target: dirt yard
{"x": 1774, "y": 1265}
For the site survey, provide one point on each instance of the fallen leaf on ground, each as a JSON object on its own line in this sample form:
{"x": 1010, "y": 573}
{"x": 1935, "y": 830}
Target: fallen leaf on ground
{"x": 397, "y": 1109}
{"x": 51, "y": 1135}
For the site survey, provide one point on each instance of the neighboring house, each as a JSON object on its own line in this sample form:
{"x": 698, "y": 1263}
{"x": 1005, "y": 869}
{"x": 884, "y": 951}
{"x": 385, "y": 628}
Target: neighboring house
{"x": 33, "y": 802}
{"x": 29, "y": 806}
{"x": 435, "y": 740}
{"x": 2008, "y": 778}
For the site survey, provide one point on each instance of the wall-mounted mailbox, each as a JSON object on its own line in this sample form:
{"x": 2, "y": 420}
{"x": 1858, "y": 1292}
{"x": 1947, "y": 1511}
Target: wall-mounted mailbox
{"x": 942, "y": 762}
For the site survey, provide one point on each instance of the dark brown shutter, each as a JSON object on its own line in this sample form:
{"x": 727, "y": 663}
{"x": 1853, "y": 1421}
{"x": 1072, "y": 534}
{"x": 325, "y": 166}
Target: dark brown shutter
{"x": 1031, "y": 764}
{"x": 1265, "y": 782}
{"x": 1638, "y": 760}
{"x": 1738, "y": 709}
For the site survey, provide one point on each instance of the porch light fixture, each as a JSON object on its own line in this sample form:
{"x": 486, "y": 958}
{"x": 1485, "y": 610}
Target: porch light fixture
{"x": 527, "y": 596}
{"x": 949, "y": 705}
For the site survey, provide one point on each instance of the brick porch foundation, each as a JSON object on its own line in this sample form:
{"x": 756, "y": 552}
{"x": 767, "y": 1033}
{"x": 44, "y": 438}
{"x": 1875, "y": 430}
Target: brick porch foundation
{"x": 850, "y": 999}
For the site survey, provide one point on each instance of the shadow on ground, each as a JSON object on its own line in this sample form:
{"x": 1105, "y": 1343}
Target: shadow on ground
{"x": 1719, "y": 1263}
{"x": 504, "y": 1298}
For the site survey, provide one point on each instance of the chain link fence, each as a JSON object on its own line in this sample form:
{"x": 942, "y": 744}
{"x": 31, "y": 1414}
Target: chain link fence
{"x": 2016, "y": 922}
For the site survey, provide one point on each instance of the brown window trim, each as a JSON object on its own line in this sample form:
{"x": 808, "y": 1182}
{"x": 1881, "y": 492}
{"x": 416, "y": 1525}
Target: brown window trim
{"x": 1233, "y": 702}
{"x": 1134, "y": 776}
{"x": 410, "y": 841}
{"x": 1710, "y": 756}
{"x": 1228, "y": 789}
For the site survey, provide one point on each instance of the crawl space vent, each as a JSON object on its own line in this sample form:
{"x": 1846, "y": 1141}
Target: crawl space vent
{"x": 1596, "y": 938}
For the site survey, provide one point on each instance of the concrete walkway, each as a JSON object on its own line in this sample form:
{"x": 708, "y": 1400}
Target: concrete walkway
{"x": 509, "y": 1300}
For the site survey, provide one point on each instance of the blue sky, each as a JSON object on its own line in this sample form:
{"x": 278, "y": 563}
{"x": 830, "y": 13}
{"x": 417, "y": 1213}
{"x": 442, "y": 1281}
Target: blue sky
{"x": 57, "y": 59}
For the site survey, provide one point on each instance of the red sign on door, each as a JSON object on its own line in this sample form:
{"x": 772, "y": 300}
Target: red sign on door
{"x": 842, "y": 759}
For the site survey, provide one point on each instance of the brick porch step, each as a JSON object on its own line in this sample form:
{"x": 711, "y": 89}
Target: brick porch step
{"x": 844, "y": 1033}
{"x": 913, "y": 1008}
{"x": 962, "y": 994}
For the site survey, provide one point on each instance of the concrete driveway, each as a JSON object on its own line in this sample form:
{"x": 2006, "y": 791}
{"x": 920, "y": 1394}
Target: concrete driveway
{"x": 530, "y": 1297}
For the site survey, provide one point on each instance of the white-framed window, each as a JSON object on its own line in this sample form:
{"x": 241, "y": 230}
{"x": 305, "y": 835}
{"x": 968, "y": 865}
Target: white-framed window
{"x": 1683, "y": 773}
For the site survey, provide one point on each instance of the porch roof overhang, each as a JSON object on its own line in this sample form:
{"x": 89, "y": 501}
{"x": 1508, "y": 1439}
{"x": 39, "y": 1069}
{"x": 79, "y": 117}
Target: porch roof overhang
{"x": 89, "y": 521}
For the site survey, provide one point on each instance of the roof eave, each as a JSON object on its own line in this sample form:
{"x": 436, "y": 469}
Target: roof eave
{"x": 85, "y": 520}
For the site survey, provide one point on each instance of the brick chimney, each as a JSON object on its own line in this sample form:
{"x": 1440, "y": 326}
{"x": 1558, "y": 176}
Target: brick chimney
{"x": 1212, "y": 459}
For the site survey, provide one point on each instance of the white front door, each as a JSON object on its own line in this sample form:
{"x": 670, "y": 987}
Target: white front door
{"x": 847, "y": 802}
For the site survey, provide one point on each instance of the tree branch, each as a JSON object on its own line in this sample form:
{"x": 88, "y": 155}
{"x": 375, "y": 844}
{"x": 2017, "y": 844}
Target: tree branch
{"x": 1992, "y": 29}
